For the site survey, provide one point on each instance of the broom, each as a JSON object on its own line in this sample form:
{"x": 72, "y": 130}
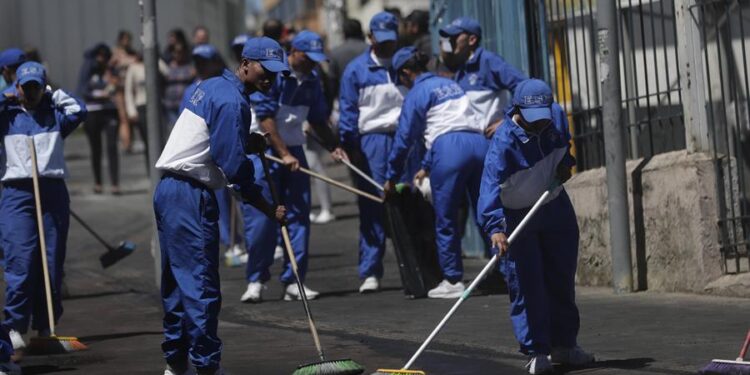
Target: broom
{"x": 324, "y": 367}
{"x": 113, "y": 254}
{"x": 728, "y": 367}
{"x": 490, "y": 265}
{"x": 52, "y": 344}
{"x": 349, "y": 164}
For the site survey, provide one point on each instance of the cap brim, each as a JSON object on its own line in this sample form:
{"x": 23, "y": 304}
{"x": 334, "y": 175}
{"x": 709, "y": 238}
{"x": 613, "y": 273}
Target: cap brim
{"x": 204, "y": 56}
{"x": 536, "y": 114}
{"x": 275, "y": 66}
{"x": 317, "y": 56}
{"x": 450, "y": 31}
{"x": 25, "y": 80}
{"x": 385, "y": 36}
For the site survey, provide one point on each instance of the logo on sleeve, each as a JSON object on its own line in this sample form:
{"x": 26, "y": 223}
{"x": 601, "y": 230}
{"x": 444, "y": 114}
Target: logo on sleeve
{"x": 473, "y": 78}
{"x": 197, "y": 96}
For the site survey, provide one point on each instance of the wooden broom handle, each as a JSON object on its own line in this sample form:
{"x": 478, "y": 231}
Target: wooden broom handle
{"x": 331, "y": 181}
{"x": 42, "y": 240}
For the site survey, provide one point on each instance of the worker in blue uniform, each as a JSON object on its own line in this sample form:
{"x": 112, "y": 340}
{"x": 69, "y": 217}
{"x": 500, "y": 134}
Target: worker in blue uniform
{"x": 206, "y": 150}
{"x": 530, "y": 153}
{"x": 34, "y": 111}
{"x": 281, "y": 113}
{"x": 369, "y": 106}
{"x": 484, "y": 76}
{"x": 437, "y": 112}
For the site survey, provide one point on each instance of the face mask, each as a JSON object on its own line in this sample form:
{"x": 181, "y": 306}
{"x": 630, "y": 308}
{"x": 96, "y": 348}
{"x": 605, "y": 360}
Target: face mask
{"x": 445, "y": 45}
{"x": 3, "y": 84}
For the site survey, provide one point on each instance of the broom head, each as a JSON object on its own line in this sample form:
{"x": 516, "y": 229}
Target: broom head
{"x": 382, "y": 371}
{"x": 55, "y": 345}
{"x": 726, "y": 367}
{"x": 115, "y": 255}
{"x": 334, "y": 367}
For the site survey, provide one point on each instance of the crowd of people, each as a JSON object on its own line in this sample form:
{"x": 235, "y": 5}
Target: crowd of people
{"x": 475, "y": 126}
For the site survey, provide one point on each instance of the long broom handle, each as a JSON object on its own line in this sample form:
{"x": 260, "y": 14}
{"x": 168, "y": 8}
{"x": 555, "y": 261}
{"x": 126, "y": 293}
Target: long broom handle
{"x": 91, "y": 231}
{"x": 478, "y": 279}
{"x": 330, "y": 181}
{"x": 42, "y": 240}
{"x": 292, "y": 259}
{"x": 348, "y": 163}
{"x": 743, "y": 351}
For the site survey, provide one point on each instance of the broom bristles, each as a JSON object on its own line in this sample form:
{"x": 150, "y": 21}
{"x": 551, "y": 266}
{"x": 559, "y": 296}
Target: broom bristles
{"x": 55, "y": 345}
{"x": 334, "y": 367}
{"x": 398, "y": 372}
{"x": 726, "y": 367}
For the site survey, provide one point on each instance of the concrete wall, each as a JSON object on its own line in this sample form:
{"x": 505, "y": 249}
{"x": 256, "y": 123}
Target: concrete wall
{"x": 676, "y": 241}
{"x": 63, "y": 29}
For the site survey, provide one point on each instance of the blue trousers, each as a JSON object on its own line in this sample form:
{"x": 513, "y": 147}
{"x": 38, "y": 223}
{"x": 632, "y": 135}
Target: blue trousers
{"x": 6, "y": 347}
{"x": 540, "y": 269}
{"x": 457, "y": 163}
{"x": 262, "y": 233}
{"x": 187, "y": 221}
{"x": 24, "y": 293}
{"x": 224, "y": 200}
{"x": 376, "y": 147}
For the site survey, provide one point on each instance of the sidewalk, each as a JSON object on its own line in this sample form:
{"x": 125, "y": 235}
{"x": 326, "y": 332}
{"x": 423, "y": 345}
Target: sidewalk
{"x": 118, "y": 314}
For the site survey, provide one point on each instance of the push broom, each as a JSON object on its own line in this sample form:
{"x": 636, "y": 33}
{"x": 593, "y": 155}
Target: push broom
{"x": 324, "y": 367}
{"x": 52, "y": 344}
{"x": 490, "y": 265}
{"x": 113, "y": 254}
{"x": 728, "y": 367}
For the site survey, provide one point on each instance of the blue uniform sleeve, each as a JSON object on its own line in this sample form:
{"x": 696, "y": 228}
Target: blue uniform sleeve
{"x": 349, "y": 107}
{"x": 427, "y": 161}
{"x": 490, "y": 213}
{"x": 266, "y": 105}
{"x": 411, "y": 125}
{"x": 319, "y": 110}
{"x": 70, "y": 111}
{"x": 227, "y": 137}
{"x": 505, "y": 75}
{"x": 561, "y": 123}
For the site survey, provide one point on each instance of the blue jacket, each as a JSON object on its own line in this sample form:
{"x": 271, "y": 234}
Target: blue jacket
{"x": 484, "y": 77}
{"x": 519, "y": 167}
{"x": 292, "y": 101}
{"x": 433, "y": 107}
{"x": 208, "y": 140}
{"x": 57, "y": 115}
{"x": 369, "y": 100}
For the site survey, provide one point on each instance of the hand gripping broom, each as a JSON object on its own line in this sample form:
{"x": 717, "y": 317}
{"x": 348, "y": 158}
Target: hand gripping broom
{"x": 324, "y": 367}
{"x": 52, "y": 344}
{"x": 491, "y": 264}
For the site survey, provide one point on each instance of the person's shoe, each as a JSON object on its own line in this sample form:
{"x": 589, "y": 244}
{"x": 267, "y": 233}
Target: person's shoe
{"x": 278, "y": 253}
{"x": 235, "y": 256}
{"x": 574, "y": 356}
{"x": 16, "y": 339}
{"x": 371, "y": 284}
{"x": 254, "y": 292}
{"x": 323, "y": 217}
{"x": 291, "y": 293}
{"x": 10, "y": 368}
{"x": 447, "y": 290}
{"x": 188, "y": 370}
{"x": 539, "y": 364}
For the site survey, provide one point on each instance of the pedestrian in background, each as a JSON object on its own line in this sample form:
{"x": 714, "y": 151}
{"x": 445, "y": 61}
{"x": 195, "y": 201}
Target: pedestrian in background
{"x": 180, "y": 74}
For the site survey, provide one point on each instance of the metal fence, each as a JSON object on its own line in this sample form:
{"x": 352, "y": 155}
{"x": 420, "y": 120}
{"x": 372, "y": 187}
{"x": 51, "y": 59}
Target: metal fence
{"x": 725, "y": 49}
{"x": 652, "y": 106}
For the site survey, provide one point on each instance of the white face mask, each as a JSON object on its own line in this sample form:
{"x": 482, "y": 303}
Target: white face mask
{"x": 445, "y": 45}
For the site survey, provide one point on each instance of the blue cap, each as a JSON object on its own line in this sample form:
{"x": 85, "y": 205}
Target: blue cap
{"x": 240, "y": 40}
{"x": 534, "y": 98}
{"x": 461, "y": 25}
{"x": 267, "y": 52}
{"x": 402, "y": 56}
{"x": 31, "y": 71}
{"x": 311, "y": 44}
{"x": 11, "y": 56}
{"x": 384, "y": 27}
{"x": 205, "y": 51}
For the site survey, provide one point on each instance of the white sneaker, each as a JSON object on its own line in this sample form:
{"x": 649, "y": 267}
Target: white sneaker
{"x": 447, "y": 290}
{"x": 323, "y": 217}
{"x": 278, "y": 253}
{"x": 539, "y": 364}
{"x": 371, "y": 284}
{"x": 235, "y": 257}
{"x": 253, "y": 293}
{"x": 171, "y": 371}
{"x": 16, "y": 339}
{"x": 292, "y": 293}
{"x": 574, "y": 356}
{"x": 10, "y": 368}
